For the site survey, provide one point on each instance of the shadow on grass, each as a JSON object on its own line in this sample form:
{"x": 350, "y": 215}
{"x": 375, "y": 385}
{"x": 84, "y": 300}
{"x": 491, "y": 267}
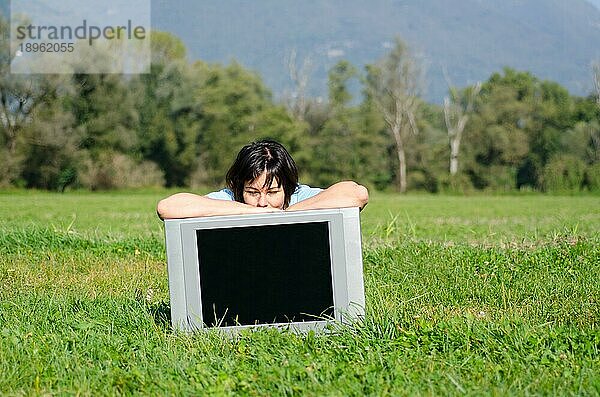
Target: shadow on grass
{"x": 161, "y": 312}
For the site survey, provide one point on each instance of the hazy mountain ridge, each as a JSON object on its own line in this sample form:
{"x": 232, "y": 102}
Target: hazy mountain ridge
{"x": 595, "y": 3}
{"x": 554, "y": 39}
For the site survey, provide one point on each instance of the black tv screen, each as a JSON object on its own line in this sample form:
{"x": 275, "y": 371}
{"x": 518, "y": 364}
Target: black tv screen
{"x": 265, "y": 274}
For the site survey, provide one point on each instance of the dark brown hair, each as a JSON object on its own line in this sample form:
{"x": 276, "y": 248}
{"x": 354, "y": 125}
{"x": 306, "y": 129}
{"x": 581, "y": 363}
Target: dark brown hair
{"x": 263, "y": 156}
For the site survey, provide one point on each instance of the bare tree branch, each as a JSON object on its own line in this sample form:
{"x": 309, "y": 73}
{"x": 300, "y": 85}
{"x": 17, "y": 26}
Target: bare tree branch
{"x": 297, "y": 103}
{"x": 457, "y": 109}
{"x": 596, "y": 75}
{"x": 393, "y": 83}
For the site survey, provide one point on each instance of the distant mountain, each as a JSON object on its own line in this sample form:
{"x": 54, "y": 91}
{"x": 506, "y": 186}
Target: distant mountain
{"x": 470, "y": 39}
{"x": 554, "y": 39}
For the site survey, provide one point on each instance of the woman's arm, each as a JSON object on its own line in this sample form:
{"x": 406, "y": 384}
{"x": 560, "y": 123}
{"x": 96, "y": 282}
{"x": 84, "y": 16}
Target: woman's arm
{"x": 342, "y": 194}
{"x": 189, "y": 205}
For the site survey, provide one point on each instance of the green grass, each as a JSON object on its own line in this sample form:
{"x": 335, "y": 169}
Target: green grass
{"x": 465, "y": 295}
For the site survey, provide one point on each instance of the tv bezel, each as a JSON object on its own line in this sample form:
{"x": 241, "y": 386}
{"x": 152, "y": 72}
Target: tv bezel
{"x": 345, "y": 257}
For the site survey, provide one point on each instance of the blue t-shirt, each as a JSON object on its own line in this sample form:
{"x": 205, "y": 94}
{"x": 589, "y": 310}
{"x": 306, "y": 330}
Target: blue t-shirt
{"x": 301, "y": 193}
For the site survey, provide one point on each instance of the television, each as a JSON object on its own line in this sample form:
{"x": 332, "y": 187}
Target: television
{"x": 300, "y": 270}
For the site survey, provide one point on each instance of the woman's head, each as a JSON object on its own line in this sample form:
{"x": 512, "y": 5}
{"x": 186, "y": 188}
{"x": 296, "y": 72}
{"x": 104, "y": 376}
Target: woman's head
{"x": 263, "y": 174}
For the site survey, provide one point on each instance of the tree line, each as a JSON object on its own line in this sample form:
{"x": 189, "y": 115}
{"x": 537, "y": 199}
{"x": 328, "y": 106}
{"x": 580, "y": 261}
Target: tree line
{"x": 183, "y": 123}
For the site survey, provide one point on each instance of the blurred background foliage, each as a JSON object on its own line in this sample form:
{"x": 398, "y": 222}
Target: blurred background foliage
{"x": 182, "y": 124}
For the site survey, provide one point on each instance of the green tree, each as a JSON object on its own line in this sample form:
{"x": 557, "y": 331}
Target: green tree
{"x": 563, "y": 173}
{"x": 169, "y": 128}
{"x": 20, "y": 95}
{"x": 394, "y": 86}
{"x": 333, "y": 154}
{"x": 38, "y": 146}
{"x": 51, "y": 150}
{"x": 236, "y": 108}
{"x": 104, "y": 111}
{"x": 429, "y": 158}
{"x": 516, "y": 129}
{"x": 376, "y": 146}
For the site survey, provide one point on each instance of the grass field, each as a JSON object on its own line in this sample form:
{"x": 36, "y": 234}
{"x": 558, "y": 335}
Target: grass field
{"x": 465, "y": 295}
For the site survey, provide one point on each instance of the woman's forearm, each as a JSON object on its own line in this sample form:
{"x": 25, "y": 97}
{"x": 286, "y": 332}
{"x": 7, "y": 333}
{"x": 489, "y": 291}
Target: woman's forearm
{"x": 340, "y": 195}
{"x": 189, "y": 205}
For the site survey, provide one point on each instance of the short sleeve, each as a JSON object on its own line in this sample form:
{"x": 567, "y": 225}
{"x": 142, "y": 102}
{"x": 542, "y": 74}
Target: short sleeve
{"x": 304, "y": 192}
{"x": 223, "y": 194}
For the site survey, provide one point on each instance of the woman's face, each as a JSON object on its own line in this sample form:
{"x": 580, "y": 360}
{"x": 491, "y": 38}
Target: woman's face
{"x": 258, "y": 195}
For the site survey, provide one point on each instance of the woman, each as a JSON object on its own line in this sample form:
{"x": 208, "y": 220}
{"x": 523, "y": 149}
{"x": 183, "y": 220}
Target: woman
{"x": 263, "y": 178}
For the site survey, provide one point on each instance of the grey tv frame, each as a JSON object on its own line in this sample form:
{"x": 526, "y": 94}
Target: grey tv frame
{"x": 345, "y": 254}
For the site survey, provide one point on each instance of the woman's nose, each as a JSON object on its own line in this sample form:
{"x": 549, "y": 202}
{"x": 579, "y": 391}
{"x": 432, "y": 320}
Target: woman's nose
{"x": 262, "y": 200}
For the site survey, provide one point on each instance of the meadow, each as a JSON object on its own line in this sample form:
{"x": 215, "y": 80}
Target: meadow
{"x": 475, "y": 295}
